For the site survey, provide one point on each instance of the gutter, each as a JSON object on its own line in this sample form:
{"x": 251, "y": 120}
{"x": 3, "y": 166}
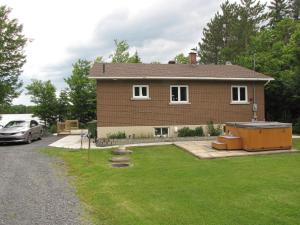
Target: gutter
{"x": 184, "y": 78}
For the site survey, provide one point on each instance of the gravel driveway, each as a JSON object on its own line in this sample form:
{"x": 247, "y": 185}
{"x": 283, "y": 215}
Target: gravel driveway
{"x": 31, "y": 189}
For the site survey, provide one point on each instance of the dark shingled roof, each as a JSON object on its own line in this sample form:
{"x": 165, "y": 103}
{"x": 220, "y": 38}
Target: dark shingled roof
{"x": 174, "y": 71}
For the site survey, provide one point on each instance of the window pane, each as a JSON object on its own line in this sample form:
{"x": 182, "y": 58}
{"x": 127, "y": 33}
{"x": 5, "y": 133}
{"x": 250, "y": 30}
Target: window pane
{"x": 242, "y": 94}
{"x": 164, "y": 131}
{"x": 136, "y": 91}
{"x": 183, "y": 94}
{"x": 174, "y": 94}
{"x": 144, "y": 91}
{"x": 157, "y": 131}
{"x": 235, "y": 96}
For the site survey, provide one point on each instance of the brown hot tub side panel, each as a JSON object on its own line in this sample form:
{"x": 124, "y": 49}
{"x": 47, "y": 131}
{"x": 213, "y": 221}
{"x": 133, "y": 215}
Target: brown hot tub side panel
{"x": 262, "y": 138}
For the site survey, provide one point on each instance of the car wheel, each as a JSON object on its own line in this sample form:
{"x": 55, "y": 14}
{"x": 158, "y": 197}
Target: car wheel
{"x": 40, "y": 137}
{"x": 29, "y": 139}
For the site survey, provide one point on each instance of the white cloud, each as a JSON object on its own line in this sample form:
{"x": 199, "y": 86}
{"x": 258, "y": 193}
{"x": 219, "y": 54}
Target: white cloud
{"x": 63, "y": 31}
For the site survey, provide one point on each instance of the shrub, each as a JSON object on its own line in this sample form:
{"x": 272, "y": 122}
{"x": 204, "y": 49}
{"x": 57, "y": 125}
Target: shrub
{"x": 296, "y": 127}
{"x": 212, "y": 130}
{"x": 53, "y": 129}
{"x": 199, "y": 131}
{"x": 118, "y": 135}
{"x": 187, "y": 132}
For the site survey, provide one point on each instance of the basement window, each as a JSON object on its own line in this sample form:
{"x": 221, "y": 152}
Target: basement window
{"x": 239, "y": 94}
{"x": 179, "y": 94}
{"x": 140, "y": 91}
{"x": 161, "y": 132}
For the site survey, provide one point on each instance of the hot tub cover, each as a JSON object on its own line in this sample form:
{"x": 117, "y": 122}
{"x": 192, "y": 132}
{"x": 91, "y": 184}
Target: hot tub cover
{"x": 259, "y": 124}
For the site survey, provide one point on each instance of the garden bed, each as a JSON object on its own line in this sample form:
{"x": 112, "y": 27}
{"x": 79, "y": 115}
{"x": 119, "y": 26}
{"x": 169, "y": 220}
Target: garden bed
{"x": 128, "y": 141}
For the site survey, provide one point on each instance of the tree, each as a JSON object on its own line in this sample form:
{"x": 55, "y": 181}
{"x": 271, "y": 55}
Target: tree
{"x": 43, "y": 94}
{"x": 82, "y": 92}
{"x": 251, "y": 17}
{"x": 181, "y": 59}
{"x": 121, "y": 53}
{"x": 12, "y": 57}
{"x": 277, "y": 51}
{"x": 63, "y": 106}
{"x": 278, "y": 11}
{"x": 16, "y": 109}
{"x": 218, "y": 44}
{"x": 135, "y": 58}
{"x": 294, "y": 6}
{"x": 227, "y": 35}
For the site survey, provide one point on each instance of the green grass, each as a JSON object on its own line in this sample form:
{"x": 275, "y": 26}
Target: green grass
{"x": 296, "y": 143}
{"x": 168, "y": 186}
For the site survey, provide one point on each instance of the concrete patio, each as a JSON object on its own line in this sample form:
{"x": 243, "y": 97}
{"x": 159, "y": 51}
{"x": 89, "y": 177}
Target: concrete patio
{"x": 203, "y": 150}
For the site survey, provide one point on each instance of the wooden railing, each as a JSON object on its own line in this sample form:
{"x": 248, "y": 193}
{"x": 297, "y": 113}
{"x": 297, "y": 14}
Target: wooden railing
{"x": 67, "y": 126}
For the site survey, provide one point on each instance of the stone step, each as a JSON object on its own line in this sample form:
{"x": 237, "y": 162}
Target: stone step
{"x": 119, "y": 159}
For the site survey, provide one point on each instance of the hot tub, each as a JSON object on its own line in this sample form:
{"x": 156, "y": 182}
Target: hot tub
{"x": 258, "y": 136}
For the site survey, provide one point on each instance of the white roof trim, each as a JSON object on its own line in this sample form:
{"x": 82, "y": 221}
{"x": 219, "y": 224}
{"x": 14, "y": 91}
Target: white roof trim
{"x": 183, "y": 78}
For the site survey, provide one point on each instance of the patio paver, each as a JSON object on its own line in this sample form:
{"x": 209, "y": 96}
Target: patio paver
{"x": 203, "y": 150}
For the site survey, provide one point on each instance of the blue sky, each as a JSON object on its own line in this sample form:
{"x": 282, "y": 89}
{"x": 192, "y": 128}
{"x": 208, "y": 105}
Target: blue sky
{"x": 64, "y": 31}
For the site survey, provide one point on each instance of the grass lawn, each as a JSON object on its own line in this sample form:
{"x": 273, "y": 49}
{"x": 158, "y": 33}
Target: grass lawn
{"x": 168, "y": 186}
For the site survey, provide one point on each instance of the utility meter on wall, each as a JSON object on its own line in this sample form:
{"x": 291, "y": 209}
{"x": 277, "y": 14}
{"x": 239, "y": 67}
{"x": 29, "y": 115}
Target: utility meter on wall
{"x": 254, "y": 107}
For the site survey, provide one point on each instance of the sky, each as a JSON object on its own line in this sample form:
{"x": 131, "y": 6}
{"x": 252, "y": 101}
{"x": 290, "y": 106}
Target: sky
{"x": 62, "y": 31}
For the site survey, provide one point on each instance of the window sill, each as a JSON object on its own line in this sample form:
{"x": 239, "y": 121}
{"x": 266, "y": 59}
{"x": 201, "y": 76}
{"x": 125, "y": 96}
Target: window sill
{"x": 239, "y": 103}
{"x": 179, "y": 103}
{"x": 140, "y": 99}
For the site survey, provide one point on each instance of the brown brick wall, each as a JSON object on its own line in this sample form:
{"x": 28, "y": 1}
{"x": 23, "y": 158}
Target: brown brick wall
{"x": 210, "y": 100}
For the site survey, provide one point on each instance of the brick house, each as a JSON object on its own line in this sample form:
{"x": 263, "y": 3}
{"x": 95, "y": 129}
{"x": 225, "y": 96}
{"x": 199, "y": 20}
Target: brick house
{"x": 158, "y": 99}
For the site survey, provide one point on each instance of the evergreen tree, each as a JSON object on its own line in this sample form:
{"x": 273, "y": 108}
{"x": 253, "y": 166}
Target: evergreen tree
{"x": 278, "y": 11}
{"x": 251, "y": 17}
{"x": 294, "y": 8}
{"x": 135, "y": 58}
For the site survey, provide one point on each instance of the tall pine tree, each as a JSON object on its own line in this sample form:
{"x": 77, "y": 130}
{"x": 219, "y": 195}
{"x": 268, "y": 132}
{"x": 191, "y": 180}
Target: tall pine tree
{"x": 294, "y": 6}
{"x": 228, "y": 34}
{"x": 278, "y": 11}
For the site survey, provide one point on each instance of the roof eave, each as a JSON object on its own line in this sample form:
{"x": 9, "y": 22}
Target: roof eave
{"x": 185, "y": 78}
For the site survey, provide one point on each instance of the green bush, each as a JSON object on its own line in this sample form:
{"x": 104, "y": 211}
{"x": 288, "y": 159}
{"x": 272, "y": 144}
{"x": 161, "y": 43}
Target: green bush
{"x": 212, "y": 130}
{"x": 296, "y": 127}
{"x": 187, "y": 132}
{"x": 53, "y": 129}
{"x": 118, "y": 135}
{"x": 199, "y": 131}
{"x": 92, "y": 128}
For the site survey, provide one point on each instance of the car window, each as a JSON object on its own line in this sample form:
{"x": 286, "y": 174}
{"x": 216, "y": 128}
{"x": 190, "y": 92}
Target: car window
{"x": 19, "y": 123}
{"x": 33, "y": 123}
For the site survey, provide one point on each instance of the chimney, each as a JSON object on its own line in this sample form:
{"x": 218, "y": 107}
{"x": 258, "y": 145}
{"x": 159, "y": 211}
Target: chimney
{"x": 193, "y": 58}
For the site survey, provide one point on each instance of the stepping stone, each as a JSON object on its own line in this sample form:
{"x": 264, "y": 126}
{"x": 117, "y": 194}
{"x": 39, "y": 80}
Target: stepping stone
{"x": 120, "y": 165}
{"x": 121, "y": 151}
{"x": 120, "y": 159}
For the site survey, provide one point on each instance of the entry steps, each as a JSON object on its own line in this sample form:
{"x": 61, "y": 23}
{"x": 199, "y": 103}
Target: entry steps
{"x": 226, "y": 142}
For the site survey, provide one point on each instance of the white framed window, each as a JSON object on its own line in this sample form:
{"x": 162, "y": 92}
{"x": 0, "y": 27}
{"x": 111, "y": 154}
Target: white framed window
{"x": 179, "y": 93}
{"x": 140, "y": 91}
{"x": 161, "y": 132}
{"x": 239, "y": 94}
